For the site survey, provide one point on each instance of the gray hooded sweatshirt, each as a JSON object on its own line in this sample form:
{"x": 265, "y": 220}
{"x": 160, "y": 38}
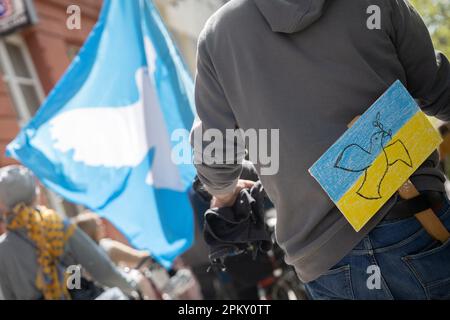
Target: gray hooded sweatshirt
{"x": 307, "y": 68}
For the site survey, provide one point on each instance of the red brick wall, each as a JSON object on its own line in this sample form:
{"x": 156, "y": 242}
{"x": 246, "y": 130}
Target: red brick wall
{"x": 8, "y": 123}
{"x": 49, "y": 40}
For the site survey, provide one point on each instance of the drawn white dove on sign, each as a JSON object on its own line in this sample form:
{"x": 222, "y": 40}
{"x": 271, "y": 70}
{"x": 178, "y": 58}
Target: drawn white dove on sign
{"x": 118, "y": 137}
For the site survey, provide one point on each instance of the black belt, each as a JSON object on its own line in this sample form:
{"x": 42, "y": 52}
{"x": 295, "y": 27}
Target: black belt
{"x": 404, "y": 209}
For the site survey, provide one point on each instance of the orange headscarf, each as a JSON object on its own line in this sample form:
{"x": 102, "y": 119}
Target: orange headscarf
{"x": 49, "y": 233}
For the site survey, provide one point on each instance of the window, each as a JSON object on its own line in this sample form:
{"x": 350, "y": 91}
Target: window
{"x": 24, "y": 86}
{"x": 18, "y": 73}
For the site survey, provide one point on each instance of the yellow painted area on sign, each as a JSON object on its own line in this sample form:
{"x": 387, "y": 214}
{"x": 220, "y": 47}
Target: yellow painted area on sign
{"x": 416, "y": 140}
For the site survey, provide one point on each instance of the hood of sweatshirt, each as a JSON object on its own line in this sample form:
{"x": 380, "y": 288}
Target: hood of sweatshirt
{"x": 290, "y": 16}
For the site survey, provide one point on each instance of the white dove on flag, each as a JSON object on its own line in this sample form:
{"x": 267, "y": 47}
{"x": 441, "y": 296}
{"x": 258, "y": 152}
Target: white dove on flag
{"x": 122, "y": 136}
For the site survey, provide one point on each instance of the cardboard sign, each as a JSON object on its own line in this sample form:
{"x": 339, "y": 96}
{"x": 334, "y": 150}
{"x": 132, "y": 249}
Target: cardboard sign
{"x": 374, "y": 158}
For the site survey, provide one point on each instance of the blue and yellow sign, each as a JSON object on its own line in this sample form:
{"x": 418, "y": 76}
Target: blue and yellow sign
{"x": 376, "y": 156}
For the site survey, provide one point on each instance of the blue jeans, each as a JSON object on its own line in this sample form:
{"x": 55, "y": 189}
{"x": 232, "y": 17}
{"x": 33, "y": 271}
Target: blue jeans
{"x": 397, "y": 260}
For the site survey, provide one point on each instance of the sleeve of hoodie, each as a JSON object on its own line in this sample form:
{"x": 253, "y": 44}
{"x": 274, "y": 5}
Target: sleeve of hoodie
{"x": 215, "y": 115}
{"x": 427, "y": 72}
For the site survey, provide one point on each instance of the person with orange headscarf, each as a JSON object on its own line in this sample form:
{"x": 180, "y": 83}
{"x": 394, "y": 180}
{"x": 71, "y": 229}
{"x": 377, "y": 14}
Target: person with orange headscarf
{"x": 39, "y": 246}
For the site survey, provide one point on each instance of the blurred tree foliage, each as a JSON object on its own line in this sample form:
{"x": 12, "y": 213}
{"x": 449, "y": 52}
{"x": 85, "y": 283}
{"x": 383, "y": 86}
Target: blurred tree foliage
{"x": 436, "y": 14}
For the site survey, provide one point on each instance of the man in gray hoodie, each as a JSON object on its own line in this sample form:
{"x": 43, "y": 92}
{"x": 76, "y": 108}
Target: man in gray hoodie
{"x": 307, "y": 68}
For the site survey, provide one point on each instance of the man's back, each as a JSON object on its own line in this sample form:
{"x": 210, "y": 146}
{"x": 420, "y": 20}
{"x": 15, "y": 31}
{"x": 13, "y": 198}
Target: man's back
{"x": 308, "y": 68}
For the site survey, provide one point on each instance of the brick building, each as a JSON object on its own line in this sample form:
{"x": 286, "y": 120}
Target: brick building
{"x": 33, "y": 58}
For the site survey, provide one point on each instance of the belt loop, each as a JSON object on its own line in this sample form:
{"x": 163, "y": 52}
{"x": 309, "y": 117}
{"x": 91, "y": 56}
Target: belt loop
{"x": 367, "y": 243}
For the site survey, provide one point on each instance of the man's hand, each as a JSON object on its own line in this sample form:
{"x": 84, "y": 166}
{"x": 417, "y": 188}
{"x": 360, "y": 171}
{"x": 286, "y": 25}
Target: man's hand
{"x": 227, "y": 200}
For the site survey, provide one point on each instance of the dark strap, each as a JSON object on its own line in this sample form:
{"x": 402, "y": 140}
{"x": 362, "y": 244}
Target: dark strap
{"x": 407, "y": 208}
{"x": 404, "y": 209}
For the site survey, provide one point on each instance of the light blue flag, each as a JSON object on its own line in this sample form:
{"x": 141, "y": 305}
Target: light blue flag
{"x": 103, "y": 136}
